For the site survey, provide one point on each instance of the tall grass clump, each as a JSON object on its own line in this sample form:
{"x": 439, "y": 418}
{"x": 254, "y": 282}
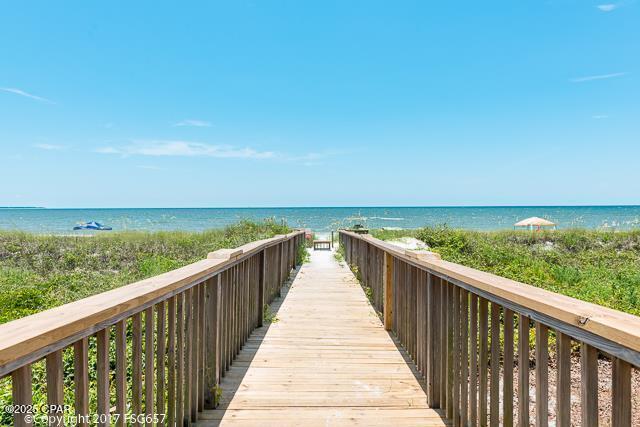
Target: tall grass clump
{"x": 601, "y": 267}
{"x": 38, "y": 272}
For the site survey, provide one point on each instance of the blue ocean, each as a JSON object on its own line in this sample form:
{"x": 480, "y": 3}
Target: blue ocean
{"x": 61, "y": 221}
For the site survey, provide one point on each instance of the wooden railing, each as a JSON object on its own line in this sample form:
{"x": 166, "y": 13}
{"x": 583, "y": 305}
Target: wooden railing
{"x": 159, "y": 346}
{"x": 460, "y": 326}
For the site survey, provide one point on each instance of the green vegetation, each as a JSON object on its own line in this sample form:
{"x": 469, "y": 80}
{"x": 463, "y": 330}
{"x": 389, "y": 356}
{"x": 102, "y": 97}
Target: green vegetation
{"x": 339, "y": 254}
{"x": 40, "y": 272}
{"x": 302, "y": 256}
{"x": 268, "y": 316}
{"x": 600, "y": 267}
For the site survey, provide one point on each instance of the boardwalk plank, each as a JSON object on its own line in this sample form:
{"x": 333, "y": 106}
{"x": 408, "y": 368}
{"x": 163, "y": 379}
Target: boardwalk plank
{"x": 328, "y": 358}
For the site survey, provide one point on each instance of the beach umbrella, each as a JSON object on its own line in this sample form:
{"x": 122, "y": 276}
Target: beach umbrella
{"x": 534, "y": 221}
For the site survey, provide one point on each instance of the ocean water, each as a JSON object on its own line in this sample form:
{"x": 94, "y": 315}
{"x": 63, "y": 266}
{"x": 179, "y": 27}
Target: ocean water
{"x": 61, "y": 221}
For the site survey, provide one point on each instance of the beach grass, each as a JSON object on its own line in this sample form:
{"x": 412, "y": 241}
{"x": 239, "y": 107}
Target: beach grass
{"x": 38, "y": 272}
{"x": 601, "y": 267}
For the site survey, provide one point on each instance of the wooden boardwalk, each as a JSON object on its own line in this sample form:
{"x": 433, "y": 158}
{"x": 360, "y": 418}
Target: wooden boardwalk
{"x": 326, "y": 361}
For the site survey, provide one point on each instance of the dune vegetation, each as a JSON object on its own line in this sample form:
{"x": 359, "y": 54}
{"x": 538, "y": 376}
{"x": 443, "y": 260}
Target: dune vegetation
{"x": 38, "y": 272}
{"x": 602, "y": 267}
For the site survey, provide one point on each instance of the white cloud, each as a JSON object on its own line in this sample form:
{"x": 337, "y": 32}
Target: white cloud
{"x": 597, "y": 77}
{"x": 26, "y": 94}
{"x": 185, "y": 149}
{"x": 607, "y": 7}
{"x": 50, "y": 147}
{"x": 193, "y": 123}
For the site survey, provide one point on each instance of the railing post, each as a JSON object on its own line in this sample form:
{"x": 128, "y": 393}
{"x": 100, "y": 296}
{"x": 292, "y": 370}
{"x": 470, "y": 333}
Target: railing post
{"x": 261, "y": 283}
{"x": 213, "y": 317}
{"x": 387, "y": 289}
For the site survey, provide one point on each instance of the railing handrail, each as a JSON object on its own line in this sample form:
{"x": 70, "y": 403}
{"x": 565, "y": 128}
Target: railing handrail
{"x": 30, "y": 338}
{"x": 609, "y": 324}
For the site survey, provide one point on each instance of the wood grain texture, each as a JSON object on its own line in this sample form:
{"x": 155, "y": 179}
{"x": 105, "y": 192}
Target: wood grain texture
{"x": 81, "y": 380}
{"x": 609, "y": 324}
{"x": 102, "y": 377}
{"x": 542, "y": 375}
{"x": 55, "y": 387}
{"x": 22, "y": 394}
{"x": 507, "y": 383}
{"x": 563, "y": 381}
{"x": 523, "y": 370}
{"x": 589, "y": 385}
{"x": 621, "y": 396}
{"x": 32, "y": 337}
{"x": 121, "y": 371}
{"x": 327, "y": 361}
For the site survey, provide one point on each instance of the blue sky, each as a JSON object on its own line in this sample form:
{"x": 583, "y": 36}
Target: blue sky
{"x": 289, "y": 103}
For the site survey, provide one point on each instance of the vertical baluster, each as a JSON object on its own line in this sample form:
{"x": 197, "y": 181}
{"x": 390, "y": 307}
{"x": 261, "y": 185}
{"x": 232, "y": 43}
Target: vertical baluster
{"x": 171, "y": 365}
{"x": 473, "y": 372}
{"x": 433, "y": 305}
{"x": 102, "y": 376}
{"x": 55, "y": 387}
{"x": 213, "y": 316}
{"x": 507, "y": 384}
{"x": 195, "y": 368}
{"x": 148, "y": 365}
{"x": 160, "y": 358}
{"x": 136, "y": 379}
{"x": 494, "y": 409}
{"x": 188, "y": 343}
{"x": 621, "y": 396}
{"x": 21, "y": 380}
{"x": 542, "y": 375}
{"x": 484, "y": 360}
{"x": 563, "y": 388}
{"x": 456, "y": 357}
{"x": 523, "y": 370}
{"x": 450, "y": 365}
{"x": 180, "y": 344}
{"x": 81, "y": 380}
{"x": 121, "y": 371}
{"x": 589, "y": 385}
{"x": 201, "y": 345}
{"x": 443, "y": 343}
{"x": 464, "y": 371}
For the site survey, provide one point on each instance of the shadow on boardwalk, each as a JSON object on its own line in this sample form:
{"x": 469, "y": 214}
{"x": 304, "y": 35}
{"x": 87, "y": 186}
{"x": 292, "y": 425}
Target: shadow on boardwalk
{"x": 326, "y": 361}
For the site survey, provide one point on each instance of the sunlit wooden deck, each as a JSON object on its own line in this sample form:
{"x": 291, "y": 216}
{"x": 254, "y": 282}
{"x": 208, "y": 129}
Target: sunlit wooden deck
{"x": 326, "y": 361}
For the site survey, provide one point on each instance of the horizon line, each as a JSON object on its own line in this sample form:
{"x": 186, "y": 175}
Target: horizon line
{"x": 329, "y": 207}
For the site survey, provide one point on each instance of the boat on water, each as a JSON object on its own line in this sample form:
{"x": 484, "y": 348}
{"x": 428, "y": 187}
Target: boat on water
{"x": 92, "y": 225}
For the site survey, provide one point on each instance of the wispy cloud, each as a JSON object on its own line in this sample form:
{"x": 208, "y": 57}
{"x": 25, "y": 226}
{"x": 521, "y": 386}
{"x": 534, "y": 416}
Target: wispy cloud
{"x": 608, "y": 7}
{"x": 193, "y": 123}
{"x": 26, "y": 94}
{"x": 50, "y": 147}
{"x": 597, "y": 77}
{"x": 185, "y": 149}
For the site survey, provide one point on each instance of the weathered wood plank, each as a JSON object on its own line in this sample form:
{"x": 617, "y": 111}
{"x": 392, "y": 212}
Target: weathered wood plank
{"x": 589, "y": 385}
{"x": 523, "y": 370}
{"x": 121, "y": 371}
{"x": 507, "y": 384}
{"x": 563, "y": 387}
{"x": 81, "y": 380}
{"x": 22, "y": 394}
{"x": 102, "y": 377}
{"x": 297, "y": 371}
{"x": 542, "y": 375}
{"x": 55, "y": 388}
